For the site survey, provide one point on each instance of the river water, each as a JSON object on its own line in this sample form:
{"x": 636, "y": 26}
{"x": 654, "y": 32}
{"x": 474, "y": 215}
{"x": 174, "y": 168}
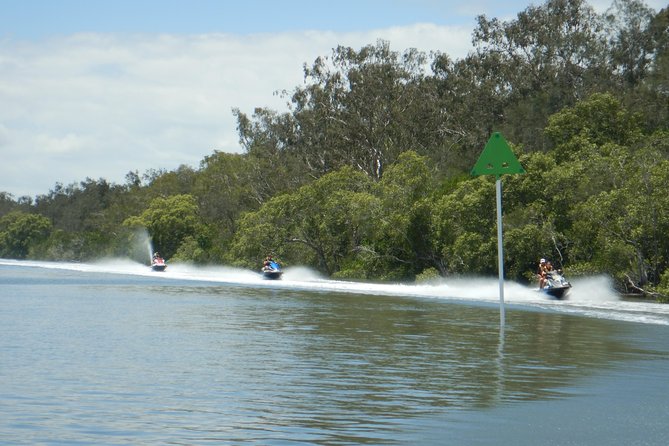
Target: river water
{"x": 112, "y": 353}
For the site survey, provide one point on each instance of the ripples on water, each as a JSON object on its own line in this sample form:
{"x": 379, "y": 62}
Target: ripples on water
{"x": 95, "y": 358}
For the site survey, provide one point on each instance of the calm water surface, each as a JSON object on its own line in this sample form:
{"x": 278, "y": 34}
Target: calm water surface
{"x": 88, "y": 357}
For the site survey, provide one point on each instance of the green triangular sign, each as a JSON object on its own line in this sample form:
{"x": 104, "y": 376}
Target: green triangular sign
{"x": 497, "y": 159}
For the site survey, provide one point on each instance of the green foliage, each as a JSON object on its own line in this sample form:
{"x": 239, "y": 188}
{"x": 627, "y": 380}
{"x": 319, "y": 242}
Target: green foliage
{"x": 466, "y": 219}
{"x": 582, "y": 269}
{"x": 523, "y": 248}
{"x": 599, "y": 120}
{"x": 7, "y": 203}
{"x": 663, "y": 287}
{"x": 356, "y": 108}
{"x": 169, "y": 222}
{"x": 20, "y": 233}
{"x": 428, "y": 275}
{"x": 261, "y": 233}
{"x": 190, "y": 251}
{"x": 547, "y": 58}
{"x": 177, "y": 182}
{"x": 319, "y": 224}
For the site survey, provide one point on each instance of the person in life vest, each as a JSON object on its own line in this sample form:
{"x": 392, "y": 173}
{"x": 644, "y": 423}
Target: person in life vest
{"x": 270, "y": 264}
{"x": 542, "y": 272}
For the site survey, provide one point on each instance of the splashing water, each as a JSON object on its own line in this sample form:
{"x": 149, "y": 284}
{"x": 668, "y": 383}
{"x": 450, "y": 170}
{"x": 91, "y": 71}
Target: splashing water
{"x": 594, "y": 289}
{"x": 149, "y": 247}
{"x": 591, "y": 296}
{"x": 143, "y": 244}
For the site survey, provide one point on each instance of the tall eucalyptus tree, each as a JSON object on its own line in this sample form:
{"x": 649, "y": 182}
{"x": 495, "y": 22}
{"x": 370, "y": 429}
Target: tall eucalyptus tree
{"x": 550, "y": 56}
{"x": 357, "y": 108}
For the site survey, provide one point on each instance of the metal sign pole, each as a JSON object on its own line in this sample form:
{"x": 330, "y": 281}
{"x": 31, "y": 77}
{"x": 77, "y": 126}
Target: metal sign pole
{"x": 498, "y": 159}
{"x": 500, "y": 251}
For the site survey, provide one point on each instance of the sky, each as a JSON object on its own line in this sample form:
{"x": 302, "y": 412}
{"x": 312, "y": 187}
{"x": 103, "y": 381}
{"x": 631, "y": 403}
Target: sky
{"x": 97, "y": 88}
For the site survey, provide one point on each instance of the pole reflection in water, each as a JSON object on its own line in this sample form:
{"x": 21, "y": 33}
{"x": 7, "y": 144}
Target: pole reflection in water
{"x": 499, "y": 369}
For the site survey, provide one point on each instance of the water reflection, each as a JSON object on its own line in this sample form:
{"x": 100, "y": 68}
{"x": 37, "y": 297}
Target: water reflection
{"x": 208, "y": 363}
{"x": 327, "y": 359}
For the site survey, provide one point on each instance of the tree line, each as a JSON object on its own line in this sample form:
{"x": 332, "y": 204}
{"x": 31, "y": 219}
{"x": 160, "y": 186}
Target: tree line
{"x": 366, "y": 175}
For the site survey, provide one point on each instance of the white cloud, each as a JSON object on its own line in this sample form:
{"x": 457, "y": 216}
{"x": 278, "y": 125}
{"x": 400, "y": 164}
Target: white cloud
{"x": 99, "y": 106}
{"x": 60, "y": 145}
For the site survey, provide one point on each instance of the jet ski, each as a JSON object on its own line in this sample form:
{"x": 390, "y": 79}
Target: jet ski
{"x": 158, "y": 265}
{"x": 556, "y": 286}
{"x": 271, "y": 270}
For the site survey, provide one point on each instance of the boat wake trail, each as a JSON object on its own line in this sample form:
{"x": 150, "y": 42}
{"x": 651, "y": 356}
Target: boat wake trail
{"x": 591, "y": 296}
